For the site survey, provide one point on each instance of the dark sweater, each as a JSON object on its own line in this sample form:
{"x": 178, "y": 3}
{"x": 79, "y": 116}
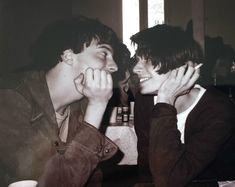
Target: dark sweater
{"x": 209, "y": 149}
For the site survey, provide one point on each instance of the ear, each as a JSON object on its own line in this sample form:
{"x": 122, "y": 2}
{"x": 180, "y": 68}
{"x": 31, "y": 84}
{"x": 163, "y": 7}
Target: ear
{"x": 157, "y": 67}
{"x": 67, "y": 56}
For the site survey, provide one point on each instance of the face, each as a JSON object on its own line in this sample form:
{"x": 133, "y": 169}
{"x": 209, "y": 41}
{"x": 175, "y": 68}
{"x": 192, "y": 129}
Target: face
{"x": 95, "y": 56}
{"x": 149, "y": 80}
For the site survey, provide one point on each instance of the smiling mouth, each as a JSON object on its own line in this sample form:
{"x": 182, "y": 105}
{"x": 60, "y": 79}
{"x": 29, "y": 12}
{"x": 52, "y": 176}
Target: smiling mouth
{"x": 144, "y": 79}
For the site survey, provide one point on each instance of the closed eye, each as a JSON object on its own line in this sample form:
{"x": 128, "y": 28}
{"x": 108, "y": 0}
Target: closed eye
{"x": 103, "y": 54}
{"x": 105, "y": 49}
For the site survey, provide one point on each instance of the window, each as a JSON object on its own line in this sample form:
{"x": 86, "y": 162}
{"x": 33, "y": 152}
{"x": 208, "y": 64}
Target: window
{"x": 131, "y": 18}
{"x": 130, "y": 21}
{"x": 155, "y": 12}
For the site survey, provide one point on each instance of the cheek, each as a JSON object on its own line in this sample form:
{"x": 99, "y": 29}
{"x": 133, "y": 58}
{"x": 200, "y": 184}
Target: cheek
{"x": 95, "y": 63}
{"x": 80, "y": 67}
{"x": 163, "y": 77}
{"x": 157, "y": 80}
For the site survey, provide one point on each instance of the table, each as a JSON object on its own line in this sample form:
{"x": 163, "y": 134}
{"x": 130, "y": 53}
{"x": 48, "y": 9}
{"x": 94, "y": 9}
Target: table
{"x": 125, "y": 138}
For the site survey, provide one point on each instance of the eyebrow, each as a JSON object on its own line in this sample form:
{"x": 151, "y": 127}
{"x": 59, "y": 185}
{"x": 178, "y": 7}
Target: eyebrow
{"x": 106, "y": 46}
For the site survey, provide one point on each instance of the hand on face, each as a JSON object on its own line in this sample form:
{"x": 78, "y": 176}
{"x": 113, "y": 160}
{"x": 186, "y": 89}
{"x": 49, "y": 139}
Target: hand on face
{"x": 95, "y": 84}
{"x": 178, "y": 83}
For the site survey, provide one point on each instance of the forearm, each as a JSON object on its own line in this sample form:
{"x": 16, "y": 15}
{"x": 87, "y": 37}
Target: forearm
{"x": 97, "y": 88}
{"x": 165, "y": 147}
{"x": 94, "y": 113}
{"x": 175, "y": 164}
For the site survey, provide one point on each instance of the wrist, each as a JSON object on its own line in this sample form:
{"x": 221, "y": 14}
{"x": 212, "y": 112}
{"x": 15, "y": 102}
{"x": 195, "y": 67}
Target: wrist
{"x": 167, "y": 100}
{"x": 96, "y": 103}
{"x": 94, "y": 113}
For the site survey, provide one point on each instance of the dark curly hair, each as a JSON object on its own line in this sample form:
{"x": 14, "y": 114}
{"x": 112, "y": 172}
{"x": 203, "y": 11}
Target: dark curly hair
{"x": 72, "y": 34}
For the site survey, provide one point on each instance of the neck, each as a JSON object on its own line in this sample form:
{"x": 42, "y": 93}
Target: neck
{"x": 183, "y": 102}
{"x": 61, "y": 88}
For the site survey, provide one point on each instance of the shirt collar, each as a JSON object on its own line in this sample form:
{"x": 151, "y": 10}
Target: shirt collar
{"x": 42, "y": 104}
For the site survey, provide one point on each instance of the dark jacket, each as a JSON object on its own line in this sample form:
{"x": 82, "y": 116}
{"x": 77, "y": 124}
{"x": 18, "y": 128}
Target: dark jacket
{"x": 29, "y": 144}
{"x": 208, "y": 154}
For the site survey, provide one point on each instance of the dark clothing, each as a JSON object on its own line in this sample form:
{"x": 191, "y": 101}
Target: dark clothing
{"x": 30, "y": 146}
{"x": 208, "y": 154}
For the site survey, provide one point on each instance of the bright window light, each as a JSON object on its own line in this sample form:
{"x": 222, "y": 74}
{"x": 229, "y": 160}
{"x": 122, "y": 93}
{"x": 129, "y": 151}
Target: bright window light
{"x": 155, "y": 12}
{"x": 130, "y": 20}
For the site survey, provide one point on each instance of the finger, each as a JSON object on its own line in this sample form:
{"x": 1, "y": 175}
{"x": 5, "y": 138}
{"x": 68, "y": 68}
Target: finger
{"x": 181, "y": 72}
{"x": 190, "y": 63}
{"x": 97, "y": 77}
{"x": 109, "y": 81}
{"x": 89, "y": 76}
{"x": 193, "y": 79}
{"x": 189, "y": 73}
{"x": 78, "y": 83}
{"x": 173, "y": 74}
{"x": 103, "y": 79}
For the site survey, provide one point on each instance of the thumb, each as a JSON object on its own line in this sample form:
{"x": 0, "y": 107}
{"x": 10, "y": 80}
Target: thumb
{"x": 78, "y": 83}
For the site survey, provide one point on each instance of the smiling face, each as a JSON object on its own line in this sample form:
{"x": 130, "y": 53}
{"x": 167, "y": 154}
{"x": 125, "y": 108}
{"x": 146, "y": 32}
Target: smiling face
{"x": 149, "y": 80}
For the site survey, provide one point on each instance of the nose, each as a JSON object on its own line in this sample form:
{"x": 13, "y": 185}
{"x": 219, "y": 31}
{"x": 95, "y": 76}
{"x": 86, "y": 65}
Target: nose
{"x": 112, "y": 66}
{"x": 138, "y": 68}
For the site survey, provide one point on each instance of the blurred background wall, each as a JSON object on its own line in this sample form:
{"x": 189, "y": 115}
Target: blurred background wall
{"x": 219, "y": 17}
{"x": 22, "y": 20}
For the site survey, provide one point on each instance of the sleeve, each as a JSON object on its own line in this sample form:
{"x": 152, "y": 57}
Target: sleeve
{"x": 74, "y": 165}
{"x": 29, "y": 154}
{"x": 15, "y": 129}
{"x": 175, "y": 164}
{"x": 142, "y": 111}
